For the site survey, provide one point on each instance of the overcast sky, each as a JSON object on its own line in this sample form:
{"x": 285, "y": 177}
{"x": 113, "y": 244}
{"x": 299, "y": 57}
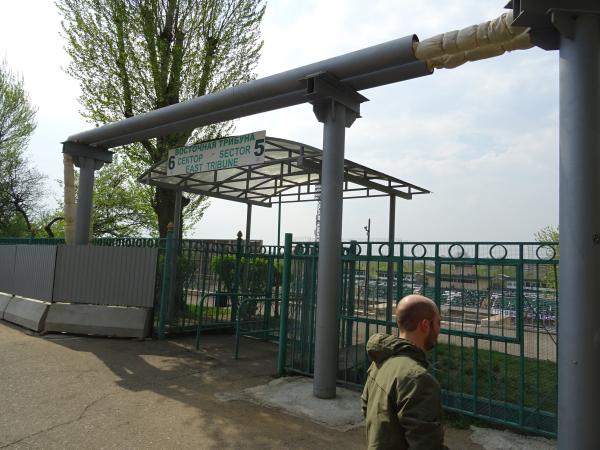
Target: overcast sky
{"x": 482, "y": 137}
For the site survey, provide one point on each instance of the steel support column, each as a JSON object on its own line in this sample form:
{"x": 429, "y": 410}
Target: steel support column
{"x": 88, "y": 159}
{"x": 177, "y": 215}
{"x": 390, "y": 267}
{"x": 330, "y": 250}
{"x": 85, "y": 194}
{"x": 246, "y": 269}
{"x": 176, "y": 242}
{"x": 579, "y": 325}
{"x": 279, "y": 223}
{"x": 248, "y": 225}
{"x": 337, "y": 107}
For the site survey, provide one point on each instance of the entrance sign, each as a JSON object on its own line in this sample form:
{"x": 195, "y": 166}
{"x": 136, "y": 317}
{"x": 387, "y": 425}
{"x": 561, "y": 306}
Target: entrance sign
{"x": 225, "y": 153}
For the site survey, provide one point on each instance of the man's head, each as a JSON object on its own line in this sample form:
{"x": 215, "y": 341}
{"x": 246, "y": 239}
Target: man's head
{"x": 418, "y": 320}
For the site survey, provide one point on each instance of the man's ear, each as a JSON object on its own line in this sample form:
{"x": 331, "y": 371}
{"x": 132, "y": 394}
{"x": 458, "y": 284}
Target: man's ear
{"x": 425, "y": 325}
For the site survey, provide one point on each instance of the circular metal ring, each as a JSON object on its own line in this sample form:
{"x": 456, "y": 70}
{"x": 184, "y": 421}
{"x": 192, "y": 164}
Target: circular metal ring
{"x": 500, "y": 246}
{"x": 459, "y": 246}
{"x": 300, "y": 249}
{"x": 549, "y": 251}
{"x": 387, "y": 246}
{"x": 412, "y": 250}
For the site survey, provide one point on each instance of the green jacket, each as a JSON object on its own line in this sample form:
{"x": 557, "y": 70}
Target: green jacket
{"x": 401, "y": 400}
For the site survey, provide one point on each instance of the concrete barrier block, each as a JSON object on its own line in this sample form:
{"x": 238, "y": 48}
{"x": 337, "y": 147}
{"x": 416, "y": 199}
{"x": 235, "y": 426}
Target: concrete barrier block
{"x": 4, "y": 300}
{"x": 26, "y": 312}
{"x": 99, "y": 320}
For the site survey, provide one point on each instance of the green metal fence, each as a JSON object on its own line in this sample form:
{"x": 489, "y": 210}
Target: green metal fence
{"x": 219, "y": 273}
{"x": 31, "y": 240}
{"x": 496, "y": 356}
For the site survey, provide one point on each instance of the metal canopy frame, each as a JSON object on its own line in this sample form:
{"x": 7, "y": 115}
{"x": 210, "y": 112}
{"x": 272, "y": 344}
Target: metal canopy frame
{"x": 291, "y": 173}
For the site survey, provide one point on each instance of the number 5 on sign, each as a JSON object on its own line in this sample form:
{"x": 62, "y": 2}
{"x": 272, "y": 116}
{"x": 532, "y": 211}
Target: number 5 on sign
{"x": 259, "y": 146}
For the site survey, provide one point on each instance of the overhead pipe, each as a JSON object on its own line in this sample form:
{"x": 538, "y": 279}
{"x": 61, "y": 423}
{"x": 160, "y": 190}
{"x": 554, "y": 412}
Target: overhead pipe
{"x": 485, "y": 40}
{"x": 370, "y": 67}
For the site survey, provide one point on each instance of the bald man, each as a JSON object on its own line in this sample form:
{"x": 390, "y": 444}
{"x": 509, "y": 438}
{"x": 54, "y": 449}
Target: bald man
{"x": 401, "y": 400}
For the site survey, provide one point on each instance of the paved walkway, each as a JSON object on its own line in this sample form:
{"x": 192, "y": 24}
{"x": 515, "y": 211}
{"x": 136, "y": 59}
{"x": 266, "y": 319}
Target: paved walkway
{"x": 73, "y": 392}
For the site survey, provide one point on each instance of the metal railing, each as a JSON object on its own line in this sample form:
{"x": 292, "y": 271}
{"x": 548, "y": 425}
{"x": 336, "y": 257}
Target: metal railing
{"x": 496, "y": 356}
{"x": 203, "y": 273}
{"x": 256, "y": 317}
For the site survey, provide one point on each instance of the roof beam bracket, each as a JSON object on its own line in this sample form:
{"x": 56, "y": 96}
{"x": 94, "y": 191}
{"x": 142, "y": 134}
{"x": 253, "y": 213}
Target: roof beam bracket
{"x": 322, "y": 88}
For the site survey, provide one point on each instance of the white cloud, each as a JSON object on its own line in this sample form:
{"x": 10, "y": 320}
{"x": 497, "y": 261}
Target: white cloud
{"x": 482, "y": 137}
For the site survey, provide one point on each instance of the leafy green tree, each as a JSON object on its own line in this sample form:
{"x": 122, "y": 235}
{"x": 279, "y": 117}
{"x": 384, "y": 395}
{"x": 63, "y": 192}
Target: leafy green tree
{"x": 17, "y": 116}
{"x": 122, "y": 206}
{"x": 258, "y": 268}
{"x": 133, "y": 56}
{"x": 547, "y": 234}
{"x": 21, "y": 186}
{"x": 549, "y": 273}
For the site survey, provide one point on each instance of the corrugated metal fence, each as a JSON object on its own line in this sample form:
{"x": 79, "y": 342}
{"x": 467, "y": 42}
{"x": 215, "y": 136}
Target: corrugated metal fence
{"x": 105, "y": 275}
{"x": 116, "y": 276}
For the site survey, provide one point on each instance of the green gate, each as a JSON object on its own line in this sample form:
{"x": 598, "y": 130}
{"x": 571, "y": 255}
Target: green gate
{"x": 207, "y": 281}
{"x": 496, "y": 355}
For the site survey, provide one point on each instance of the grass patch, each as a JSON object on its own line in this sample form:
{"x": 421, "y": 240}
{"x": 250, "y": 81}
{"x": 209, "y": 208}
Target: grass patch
{"x": 209, "y": 312}
{"x": 498, "y": 376}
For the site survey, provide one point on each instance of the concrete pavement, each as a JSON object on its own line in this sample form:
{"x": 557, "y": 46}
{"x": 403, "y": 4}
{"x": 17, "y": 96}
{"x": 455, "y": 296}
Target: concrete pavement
{"x": 74, "y": 392}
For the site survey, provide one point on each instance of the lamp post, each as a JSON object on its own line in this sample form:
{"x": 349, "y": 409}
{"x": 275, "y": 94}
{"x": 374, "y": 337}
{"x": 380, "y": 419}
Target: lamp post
{"x": 368, "y": 230}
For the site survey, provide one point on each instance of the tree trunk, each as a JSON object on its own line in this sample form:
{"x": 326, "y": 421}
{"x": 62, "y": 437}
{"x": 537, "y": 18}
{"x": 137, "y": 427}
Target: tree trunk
{"x": 164, "y": 206}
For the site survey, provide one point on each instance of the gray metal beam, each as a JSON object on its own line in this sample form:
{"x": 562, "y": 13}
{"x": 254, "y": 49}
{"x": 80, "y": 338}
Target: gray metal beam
{"x": 177, "y": 215}
{"x": 330, "y": 251}
{"x": 248, "y": 225}
{"x": 88, "y": 159}
{"x": 279, "y": 222}
{"x": 381, "y": 64}
{"x": 85, "y": 196}
{"x": 579, "y": 342}
{"x": 177, "y": 240}
{"x": 390, "y": 268}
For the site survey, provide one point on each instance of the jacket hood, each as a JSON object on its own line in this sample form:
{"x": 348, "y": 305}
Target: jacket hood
{"x": 382, "y": 346}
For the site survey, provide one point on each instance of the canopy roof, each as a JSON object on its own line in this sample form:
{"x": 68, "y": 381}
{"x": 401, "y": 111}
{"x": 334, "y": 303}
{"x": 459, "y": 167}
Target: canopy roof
{"x": 290, "y": 173}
